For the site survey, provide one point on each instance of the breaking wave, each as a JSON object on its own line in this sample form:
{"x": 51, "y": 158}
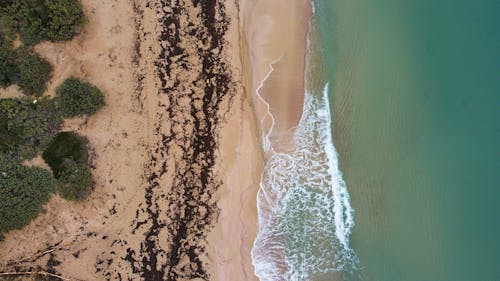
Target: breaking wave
{"x": 305, "y": 217}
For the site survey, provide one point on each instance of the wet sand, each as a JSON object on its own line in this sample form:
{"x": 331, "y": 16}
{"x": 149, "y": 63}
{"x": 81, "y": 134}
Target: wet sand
{"x": 275, "y": 44}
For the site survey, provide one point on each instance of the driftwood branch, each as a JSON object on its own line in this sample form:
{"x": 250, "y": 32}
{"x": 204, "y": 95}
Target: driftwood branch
{"x": 42, "y": 273}
{"x": 34, "y": 257}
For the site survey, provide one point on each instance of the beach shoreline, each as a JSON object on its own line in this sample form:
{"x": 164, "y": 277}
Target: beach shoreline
{"x": 274, "y": 49}
{"x": 275, "y": 46}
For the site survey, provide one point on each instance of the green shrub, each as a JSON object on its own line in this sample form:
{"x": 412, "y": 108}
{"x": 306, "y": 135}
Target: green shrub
{"x": 23, "y": 192}
{"x": 34, "y": 72}
{"x": 66, "y": 146}
{"x": 67, "y": 156}
{"x": 8, "y": 68}
{"x": 65, "y": 18}
{"x": 75, "y": 98}
{"x": 75, "y": 180}
{"x": 7, "y": 162}
{"x": 39, "y": 20}
{"x": 32, "y": 15}
{"x": 27, "y": 128}
{"x": 9, "y": 23}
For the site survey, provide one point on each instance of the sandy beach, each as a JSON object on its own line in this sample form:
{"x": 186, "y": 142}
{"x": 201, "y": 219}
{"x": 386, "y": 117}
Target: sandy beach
{"x": 177, "y": 151}
{"x": 275, "y": 40}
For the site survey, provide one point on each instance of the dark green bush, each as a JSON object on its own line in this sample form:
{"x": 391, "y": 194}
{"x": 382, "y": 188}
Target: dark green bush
{"x": 9, "y": 20}
{"x": 8, "y": 68}
{"x": 75, "y": 180}
{"x": 32, "y": 15}
{"x": 65, "y": 146}
{"x": 75, "y": 98}
{"x": 34, "y": 72}
{"x": 67, "y": 156}
{"x": 23, "y": 192}
{"x": 26, "y": 128}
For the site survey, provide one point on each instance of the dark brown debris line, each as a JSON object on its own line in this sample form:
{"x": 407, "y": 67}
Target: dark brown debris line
{"x": 195, "y": 92}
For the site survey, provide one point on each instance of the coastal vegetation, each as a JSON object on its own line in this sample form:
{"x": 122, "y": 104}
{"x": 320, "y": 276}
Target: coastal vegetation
{"x": 76, "y": 98}
{"x": 33, "y": 72}
{"x": 25, "y": 68}
{"x": 41, "y": 20}
{"x": 23, "y": 192}
{"x": 67, "y": 156}
{"x": 26, "y": 128}
{"x": 30, "y": 125}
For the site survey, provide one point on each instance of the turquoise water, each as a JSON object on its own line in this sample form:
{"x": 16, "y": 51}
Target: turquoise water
{"x": 414, "y": 88}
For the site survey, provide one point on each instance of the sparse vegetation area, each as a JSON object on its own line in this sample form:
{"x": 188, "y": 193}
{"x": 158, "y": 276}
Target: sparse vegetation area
{"x": 30, "y": 126}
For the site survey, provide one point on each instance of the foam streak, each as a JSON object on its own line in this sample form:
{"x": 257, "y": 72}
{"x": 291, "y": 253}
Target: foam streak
{"x": 305, "y": 217}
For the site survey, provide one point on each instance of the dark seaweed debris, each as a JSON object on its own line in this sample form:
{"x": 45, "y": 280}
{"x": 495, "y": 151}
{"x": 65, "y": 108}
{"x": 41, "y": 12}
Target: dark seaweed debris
{"x": 191, "y": 209}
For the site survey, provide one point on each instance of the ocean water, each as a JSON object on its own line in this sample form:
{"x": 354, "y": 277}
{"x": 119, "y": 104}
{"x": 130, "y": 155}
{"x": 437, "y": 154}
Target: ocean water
{"x": 397, "y": 168}
{"x": 415, "y": 103}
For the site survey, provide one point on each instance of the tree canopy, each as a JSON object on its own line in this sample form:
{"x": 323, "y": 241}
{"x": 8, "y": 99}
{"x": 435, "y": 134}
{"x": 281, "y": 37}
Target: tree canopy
{"x": 75, "y": 180}
{"x": 8, "y": 67}
{"x": 64, "y": 147}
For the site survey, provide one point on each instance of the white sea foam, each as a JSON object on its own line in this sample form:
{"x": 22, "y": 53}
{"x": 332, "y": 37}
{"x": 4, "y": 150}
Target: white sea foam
{"x": 305, "y": 217}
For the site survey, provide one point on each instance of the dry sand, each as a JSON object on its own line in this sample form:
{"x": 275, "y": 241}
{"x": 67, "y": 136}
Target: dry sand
{"x": 176, "y": 152}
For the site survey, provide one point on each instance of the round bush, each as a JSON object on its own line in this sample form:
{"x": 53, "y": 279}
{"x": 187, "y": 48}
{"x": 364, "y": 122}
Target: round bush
{"x": 76, "y": 98}
{"x": 23, "y": 192}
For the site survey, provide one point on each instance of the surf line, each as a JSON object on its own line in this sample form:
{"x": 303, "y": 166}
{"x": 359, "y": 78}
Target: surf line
{"x": 344, "y": 221}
